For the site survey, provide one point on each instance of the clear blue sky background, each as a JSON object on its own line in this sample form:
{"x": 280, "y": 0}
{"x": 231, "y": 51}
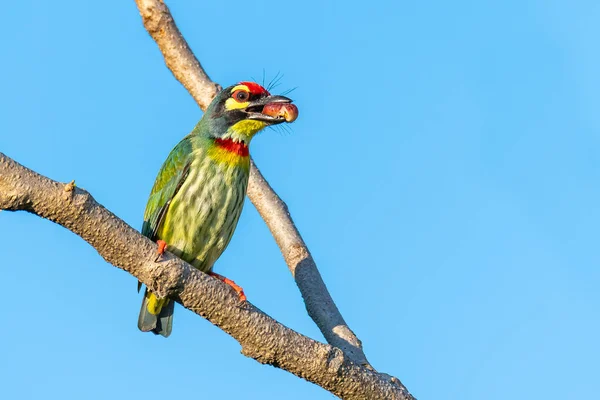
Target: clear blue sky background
{"x": 444, "y": 172}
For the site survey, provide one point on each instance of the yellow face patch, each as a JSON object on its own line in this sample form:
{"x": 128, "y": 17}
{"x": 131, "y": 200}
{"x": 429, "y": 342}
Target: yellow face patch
{"x": 247, "y": 127}
{"x": 233, "y": 104}
{"x": 244, "y": 130}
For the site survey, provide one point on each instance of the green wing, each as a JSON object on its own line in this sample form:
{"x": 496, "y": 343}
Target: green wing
{"x": 170, "y": 178}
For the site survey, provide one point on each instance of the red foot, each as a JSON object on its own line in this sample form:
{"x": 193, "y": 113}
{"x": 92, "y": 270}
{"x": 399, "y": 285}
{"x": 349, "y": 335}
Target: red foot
{"x": 231, "y": 283}
{"x": 162, "y": 245}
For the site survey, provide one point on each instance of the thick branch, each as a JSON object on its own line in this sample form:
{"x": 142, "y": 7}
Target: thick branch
{"x": 261, "y": 337}
{"x": 319, "y": 304}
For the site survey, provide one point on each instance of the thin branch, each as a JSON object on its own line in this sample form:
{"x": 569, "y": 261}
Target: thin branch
{"x": 179, "y": 58}
{"x": 319, "y": 304}
{"x": 260, "y": 336}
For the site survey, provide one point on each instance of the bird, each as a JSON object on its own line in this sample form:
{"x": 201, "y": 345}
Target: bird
{"x": 197, "y": 198}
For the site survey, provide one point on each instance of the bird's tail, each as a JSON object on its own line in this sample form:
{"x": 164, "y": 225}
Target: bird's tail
{"x": 156, "y": 315}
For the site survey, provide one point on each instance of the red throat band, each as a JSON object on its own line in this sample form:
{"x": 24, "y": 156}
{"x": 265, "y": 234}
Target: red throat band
{"x": 239, "y": 148}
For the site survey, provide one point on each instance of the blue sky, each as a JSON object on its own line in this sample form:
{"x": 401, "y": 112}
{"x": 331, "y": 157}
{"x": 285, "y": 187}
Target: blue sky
{"x": 444, "y": 172}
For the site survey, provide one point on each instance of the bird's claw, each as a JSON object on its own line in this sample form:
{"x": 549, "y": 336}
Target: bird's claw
{"x": 238, "y": 289}
{"x": 162, "y": 246}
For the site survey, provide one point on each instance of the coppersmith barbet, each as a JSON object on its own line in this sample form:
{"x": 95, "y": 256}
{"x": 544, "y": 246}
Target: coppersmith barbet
{"x": 199, "y": 192}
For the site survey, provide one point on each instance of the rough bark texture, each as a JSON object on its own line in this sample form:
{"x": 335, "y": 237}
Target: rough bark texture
{"x": 261, "y": 337}
{"x": 319, "y": 304}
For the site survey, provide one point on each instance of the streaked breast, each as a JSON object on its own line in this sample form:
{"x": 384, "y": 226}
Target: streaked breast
{"x": 203, "y": 215}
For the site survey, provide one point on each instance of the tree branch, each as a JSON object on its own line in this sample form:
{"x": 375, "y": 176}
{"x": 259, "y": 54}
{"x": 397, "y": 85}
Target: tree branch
{"x": 319, "y": 304}
{"x": 178, "y": 56}
{"x": 261, "y": 337}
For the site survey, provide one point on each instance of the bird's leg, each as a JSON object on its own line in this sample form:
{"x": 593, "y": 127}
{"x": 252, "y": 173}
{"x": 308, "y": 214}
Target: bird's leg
{"x": 231, "y": 283}
{"x": 162, "y": 246}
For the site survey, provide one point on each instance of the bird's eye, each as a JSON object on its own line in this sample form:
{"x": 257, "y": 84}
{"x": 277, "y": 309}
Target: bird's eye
{"x": 241, "y": 96}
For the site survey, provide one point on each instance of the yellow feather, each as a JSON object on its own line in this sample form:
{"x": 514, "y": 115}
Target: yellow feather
{"x": 232, "y": 104}
{"x": 230, "y": 158}
{"x": 247, "y": 127}
{"x": 155, "y": 304}
{"x": 240, "y": 87}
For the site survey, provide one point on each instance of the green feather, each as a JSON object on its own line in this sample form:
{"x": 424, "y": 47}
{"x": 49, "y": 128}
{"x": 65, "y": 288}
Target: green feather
{"x": 170, "y": 178}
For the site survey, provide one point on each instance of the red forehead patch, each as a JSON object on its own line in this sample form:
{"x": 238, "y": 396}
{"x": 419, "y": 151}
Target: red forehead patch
{"x": 255, "y": 88}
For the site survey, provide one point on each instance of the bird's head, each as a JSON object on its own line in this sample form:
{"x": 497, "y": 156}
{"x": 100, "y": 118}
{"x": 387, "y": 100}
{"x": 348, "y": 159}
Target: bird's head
{"x": 238, "y": 112}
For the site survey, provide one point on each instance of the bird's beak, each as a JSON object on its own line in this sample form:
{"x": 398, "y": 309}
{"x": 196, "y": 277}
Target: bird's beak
{"x": 272, "y": 110}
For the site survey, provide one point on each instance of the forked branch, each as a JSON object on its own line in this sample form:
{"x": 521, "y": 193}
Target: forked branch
{"x": 339, "y": 367}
